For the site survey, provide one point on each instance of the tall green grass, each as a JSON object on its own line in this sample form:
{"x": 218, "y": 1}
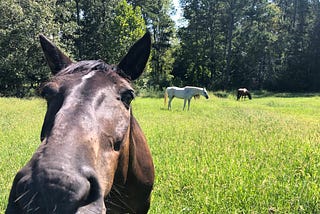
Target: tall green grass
{"x": 222, "y": 156}
{"x": 20, "y": 126}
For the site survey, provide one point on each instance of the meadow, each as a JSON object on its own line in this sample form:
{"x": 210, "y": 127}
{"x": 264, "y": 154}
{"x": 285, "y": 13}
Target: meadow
{"x": 222, "y": 156}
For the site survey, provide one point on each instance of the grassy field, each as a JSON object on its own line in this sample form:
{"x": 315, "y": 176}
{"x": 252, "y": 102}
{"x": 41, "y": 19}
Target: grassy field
{"x": 222, "y": 156}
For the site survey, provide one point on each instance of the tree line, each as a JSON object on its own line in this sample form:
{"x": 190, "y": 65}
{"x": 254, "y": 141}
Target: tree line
{"x": 219, "y": 44}
{"x": 266, "y": 44}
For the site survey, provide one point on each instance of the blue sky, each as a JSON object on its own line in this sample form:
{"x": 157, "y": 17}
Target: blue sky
{"x": 178, "y": 14}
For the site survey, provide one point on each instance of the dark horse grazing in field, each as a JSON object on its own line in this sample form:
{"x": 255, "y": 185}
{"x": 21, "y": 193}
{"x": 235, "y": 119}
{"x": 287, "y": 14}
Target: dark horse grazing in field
{"x": 93, "y": 157}
{"x": 243, "y": 93}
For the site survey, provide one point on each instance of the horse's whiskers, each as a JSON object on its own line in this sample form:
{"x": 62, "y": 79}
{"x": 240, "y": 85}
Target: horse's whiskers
{"x": 126, "y": 208}
{"x": 21, "y": 196}
{"x": 54, "y": 208}
{"x": 115, "y": 204}
{"x": 117, "y": 197}
{"x": 27, "y": 206}
{"x": 36, "y": 209}
{"x": 116, "y": 188}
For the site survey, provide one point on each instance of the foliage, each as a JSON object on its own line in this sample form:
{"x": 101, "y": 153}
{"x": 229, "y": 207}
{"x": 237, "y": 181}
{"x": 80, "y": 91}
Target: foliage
{"x": 257, "y": 44}
{"x": 222, "y": 156}
{"x": 86, "y": 29}
{"x": 220, "y": 45}
{"x": 93, "y": 17}
{"x": 161, "y": 25}
{"x": 126, "y": 27}
{"x": 20, "y": 61}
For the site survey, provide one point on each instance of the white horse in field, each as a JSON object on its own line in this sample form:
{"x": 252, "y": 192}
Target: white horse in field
{"x": 185, "y": 93}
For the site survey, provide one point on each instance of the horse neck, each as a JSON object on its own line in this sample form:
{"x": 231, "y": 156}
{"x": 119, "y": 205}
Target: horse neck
{"x": 194, "y": 87}
{"x": 140, "y": 152}
{"x": 200, "y": 90}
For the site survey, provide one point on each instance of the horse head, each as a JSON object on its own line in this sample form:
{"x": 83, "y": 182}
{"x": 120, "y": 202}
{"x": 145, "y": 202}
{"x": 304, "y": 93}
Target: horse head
{"x": 205, "y": 93}
{"x": 93, "y": 156}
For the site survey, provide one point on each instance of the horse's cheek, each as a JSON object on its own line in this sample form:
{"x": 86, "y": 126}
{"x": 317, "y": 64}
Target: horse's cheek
{"x": 106, "y": 170}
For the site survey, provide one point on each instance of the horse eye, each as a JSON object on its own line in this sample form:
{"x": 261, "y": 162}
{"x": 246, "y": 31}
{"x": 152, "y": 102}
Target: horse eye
{"x": 117, "y": 146}
{"x": 127, "y": 97}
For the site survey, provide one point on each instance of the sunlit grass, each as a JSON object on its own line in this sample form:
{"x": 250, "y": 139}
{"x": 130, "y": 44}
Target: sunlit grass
{"x": 222, "y": 156}
{"x": 225, "y": 156}
{"x": 20, "y": 123}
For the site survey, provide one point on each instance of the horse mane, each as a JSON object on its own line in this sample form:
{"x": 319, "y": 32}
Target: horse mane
{"x": 87, "y": 66}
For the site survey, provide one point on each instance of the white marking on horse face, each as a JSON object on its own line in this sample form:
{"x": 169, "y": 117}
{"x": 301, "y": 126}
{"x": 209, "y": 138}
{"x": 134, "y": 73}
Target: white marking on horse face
{"x": 205, "y": 93}
{"x": 75, "y": 91}
{"x": 89, "y": 75}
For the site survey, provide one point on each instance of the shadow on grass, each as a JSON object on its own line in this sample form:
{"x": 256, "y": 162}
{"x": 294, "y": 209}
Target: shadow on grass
{"x": 232, "y": 94}
{"x": 262, "y": 94}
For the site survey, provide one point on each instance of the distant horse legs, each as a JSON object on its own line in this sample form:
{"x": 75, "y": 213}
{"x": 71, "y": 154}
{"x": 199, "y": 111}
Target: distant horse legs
{"x": 184, "y": 104}
{"x": 189, "y": 103}
{"x": 169, "y": 103}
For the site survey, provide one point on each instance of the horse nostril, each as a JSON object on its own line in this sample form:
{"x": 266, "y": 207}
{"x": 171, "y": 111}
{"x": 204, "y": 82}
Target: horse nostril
{"x": 94, "y": 190}
{"x": 94, "y": 193}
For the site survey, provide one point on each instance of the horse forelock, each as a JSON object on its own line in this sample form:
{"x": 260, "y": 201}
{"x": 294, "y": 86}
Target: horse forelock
{"x": 86, "y": 69}
{"x": 86, "y": 66}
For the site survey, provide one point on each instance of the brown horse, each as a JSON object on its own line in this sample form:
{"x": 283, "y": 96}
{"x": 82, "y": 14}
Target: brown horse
{"x": 93, "y": 156}
{"x": 243, "y": 93}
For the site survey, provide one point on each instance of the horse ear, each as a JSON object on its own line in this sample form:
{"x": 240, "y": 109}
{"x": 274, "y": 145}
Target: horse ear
{"x": 55, "y": 58}
{"x": 134, "y": 62}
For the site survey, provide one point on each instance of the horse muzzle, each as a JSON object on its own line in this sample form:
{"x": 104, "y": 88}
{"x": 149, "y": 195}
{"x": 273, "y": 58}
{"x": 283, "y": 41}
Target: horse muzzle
{"x": 54, "y": 190}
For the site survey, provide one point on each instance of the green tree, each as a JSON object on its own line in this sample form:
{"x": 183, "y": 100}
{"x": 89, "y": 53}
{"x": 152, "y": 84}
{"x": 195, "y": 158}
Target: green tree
{"x": 22, "y": 65}
{"x": 65, "y": 18}
{"x": 160, "y": 24}
{"x": 295, "y": 16}
{"x": 92, "y": 18}
{"x": 200, "y": 59}
{"x": 106, "y": 29}
{"x": 257, "y": 44}
{"x": 125, "y": 28}
{"x": 314, "y": 50}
